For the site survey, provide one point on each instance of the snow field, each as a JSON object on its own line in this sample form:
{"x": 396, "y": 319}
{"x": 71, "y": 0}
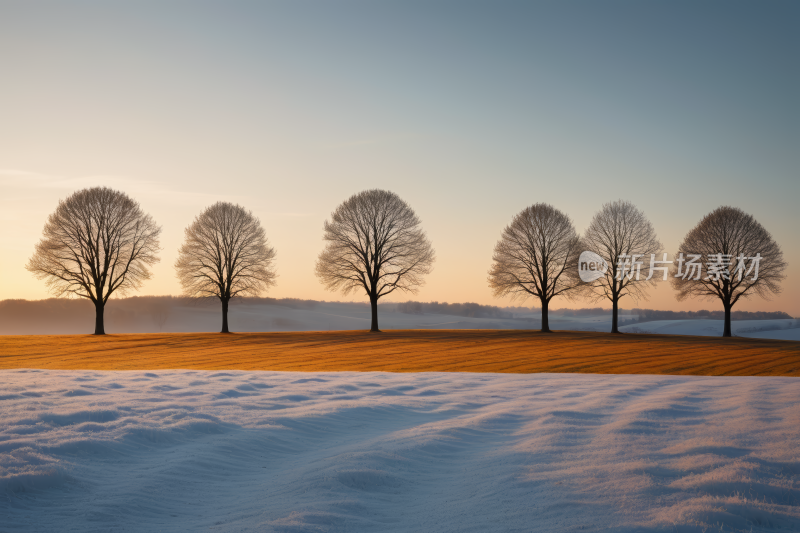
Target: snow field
{"x": 349, "y": 451}
{"x": 782, "y": 329}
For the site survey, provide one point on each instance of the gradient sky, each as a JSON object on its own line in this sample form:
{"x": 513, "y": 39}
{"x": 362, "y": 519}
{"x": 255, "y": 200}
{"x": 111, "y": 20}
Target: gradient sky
{"x": 470, "y": 111}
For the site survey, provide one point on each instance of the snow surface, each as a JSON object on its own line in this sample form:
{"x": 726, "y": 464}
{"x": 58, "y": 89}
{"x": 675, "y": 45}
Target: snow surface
{"x": 331, "y": 316}
{"x": 251, "y": 317}
{"x": 349, "y": 451}
{"x": 782, "y": 334}
{"x": 785, "y": 329}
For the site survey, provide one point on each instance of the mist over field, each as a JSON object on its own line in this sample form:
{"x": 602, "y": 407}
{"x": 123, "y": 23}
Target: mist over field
{"x": 176, "y": 314}
{"x": 156, "y": 314}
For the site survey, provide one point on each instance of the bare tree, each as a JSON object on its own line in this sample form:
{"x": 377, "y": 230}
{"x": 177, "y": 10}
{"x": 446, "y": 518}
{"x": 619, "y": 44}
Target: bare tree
{"x": 374, "y": 243}
{"x": 225, "y": 254}
{"x": 97, "y": 242}
{"x": 537, "y": 255}
{"x": 622, "y": 235}
{"x": 742, "y": 259}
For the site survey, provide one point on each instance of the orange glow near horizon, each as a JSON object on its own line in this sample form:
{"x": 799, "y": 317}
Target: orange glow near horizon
{"x": 468, "y": 115}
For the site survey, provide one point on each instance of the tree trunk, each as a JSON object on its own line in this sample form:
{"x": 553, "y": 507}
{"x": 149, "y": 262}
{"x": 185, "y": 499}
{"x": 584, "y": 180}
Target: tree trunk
{"x": 99, "y": 325}
{"x": 224, "y": 315}
{"x": 545, "y": 317}
{"x": 614, "y": 315}
{"x": 374, "y": 304}
{"x": 727, "y": 331}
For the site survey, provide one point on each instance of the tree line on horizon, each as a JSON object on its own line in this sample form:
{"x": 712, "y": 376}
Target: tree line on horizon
{"x": 99, "y": 242}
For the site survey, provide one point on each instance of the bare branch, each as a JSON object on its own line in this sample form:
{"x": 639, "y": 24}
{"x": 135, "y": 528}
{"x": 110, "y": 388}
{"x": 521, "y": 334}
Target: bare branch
{"x": 537, "y": 255}
{"x": 225, "y": 254}
{"x": 618, "y": 230}
{"x": 97, "y": 242}
{"x": 734, "y": 234}
{"x": 375, "y": 243}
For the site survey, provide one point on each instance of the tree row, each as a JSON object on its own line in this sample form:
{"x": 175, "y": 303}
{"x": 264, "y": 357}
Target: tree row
{"x": 99, "y": 242}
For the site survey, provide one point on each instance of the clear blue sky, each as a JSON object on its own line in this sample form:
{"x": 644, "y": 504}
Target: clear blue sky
{"x": 468, "y": 110}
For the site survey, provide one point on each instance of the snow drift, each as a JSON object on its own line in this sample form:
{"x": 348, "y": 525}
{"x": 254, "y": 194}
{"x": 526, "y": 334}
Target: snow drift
{"x": 286, "y": 451}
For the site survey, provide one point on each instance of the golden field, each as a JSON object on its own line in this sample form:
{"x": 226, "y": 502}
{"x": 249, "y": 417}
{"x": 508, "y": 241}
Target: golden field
{"x": 408, "y": 351}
